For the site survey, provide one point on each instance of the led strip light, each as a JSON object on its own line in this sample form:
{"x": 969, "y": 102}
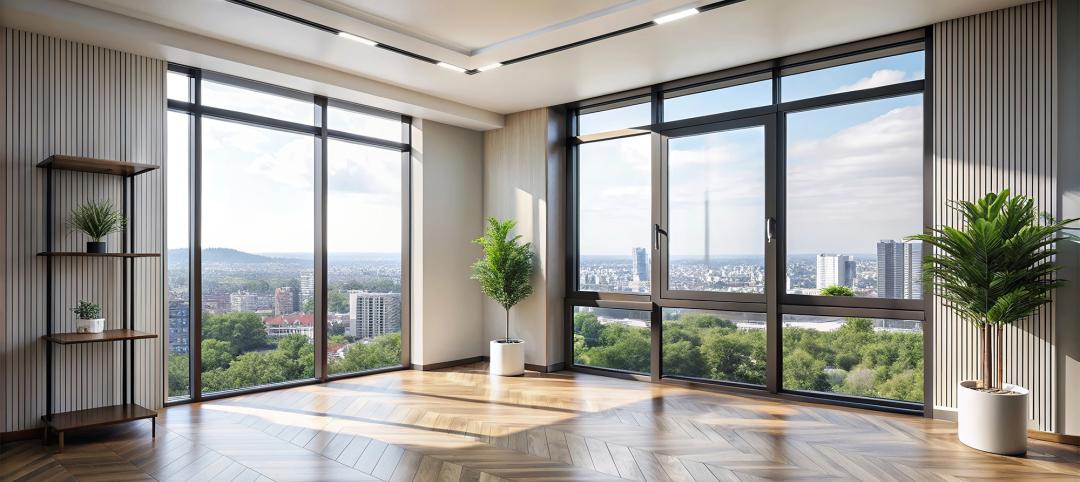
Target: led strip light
{"x": 663, "y": 19}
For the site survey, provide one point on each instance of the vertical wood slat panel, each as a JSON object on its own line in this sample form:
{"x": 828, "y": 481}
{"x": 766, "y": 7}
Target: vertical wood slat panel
{"x": 994, "y": 128}
{"x": 61, "y": 97}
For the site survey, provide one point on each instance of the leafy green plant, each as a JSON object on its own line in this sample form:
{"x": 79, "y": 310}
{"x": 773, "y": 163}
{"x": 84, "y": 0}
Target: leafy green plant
{"x": 97, "y": 219}
{"x": 837, "y": 290}
{"x": 86, "y": 310}
{"x": 505, "y": 271}
{"x": 997, "y": 269}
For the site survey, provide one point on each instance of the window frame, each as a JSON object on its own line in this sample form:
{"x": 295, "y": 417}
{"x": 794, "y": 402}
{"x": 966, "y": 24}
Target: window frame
{"x": 322, "y": 135}
{"x": 776, "y": 301}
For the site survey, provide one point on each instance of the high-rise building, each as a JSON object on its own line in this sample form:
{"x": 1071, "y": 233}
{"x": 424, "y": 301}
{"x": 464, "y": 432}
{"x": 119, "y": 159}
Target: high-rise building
{"x": 307, "y": 288}
{"x": 913, "y": 270}
{"x": 899, "y": 269}
{"x": 179, "y": 319}
{"x": 641, "y": 264}
{"x": 286, "y": 300}
{"x": 835, "y": 269}
{"x": 243, "y": 301}
{"x": 373, "y": 314}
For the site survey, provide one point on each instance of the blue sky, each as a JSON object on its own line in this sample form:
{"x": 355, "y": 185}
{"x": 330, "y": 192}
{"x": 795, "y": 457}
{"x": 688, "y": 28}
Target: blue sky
{"x": 854, "y": 172}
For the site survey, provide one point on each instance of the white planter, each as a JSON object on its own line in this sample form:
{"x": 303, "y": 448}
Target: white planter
{"x": 507, "y": 357}
{"x": 96, "y": 325}
{"x": 993, "y": 422}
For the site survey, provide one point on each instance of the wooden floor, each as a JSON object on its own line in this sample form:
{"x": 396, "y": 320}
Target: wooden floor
{"x": 459, "y": 424}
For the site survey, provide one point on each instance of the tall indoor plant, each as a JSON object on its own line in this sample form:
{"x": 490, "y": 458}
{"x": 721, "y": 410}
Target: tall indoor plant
{"x": 995, "y": 270}
{"x": 505, "y": 275}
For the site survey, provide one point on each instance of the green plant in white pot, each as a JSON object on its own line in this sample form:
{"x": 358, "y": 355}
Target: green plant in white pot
{"x": 505, "y": 275}
{"x": 97, "y": 220}
{"x": 88, "y": 317}
{"x": 995, "y": 270}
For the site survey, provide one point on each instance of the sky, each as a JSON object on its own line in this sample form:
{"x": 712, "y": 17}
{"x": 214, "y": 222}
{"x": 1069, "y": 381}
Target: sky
{"x": 854, "y": 172}
{"x": 258, "y": 183}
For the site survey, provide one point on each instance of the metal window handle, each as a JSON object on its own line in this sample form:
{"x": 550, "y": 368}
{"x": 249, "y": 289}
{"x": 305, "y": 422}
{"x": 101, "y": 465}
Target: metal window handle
{"x": 656, "y": 236}
{"x": 770, "y": 230}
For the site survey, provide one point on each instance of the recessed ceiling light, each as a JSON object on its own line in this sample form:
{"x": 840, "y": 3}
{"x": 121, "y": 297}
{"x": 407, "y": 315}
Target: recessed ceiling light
{"x": 671, "y": 17}
{"x": 490, "y": 67}
{"x": 451, "y": 67}
{"x": 357, "y": 38}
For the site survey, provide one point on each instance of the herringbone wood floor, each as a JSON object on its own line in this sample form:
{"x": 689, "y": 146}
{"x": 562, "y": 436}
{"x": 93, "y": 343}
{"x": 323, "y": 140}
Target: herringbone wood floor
{"x": 459, "y": 424}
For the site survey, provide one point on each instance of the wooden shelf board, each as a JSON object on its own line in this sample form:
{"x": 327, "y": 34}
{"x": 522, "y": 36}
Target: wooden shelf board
{"x": 97, "y": 166}
{"x": 99, "y": 255}
{"x": 93, "y": 417}
{"x": 103, "y": 337}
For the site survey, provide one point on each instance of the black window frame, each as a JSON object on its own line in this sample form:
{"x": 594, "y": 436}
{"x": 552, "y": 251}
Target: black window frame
{"x": 318, "y": 129}
{"x": 775, "y": 302}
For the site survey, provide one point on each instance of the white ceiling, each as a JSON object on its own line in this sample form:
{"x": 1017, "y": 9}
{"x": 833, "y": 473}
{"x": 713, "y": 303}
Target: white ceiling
{"x": 473, "y": 33}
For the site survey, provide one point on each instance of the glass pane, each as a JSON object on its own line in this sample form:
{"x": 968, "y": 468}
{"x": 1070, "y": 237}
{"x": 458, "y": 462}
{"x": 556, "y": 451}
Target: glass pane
{"x": 612, "y": 338}
{"x": 716, "y": 211}
{"x": 258, "y": 256}
{"x": 179, "y": 297}
{"x": 363, "y": 124}
{"x": 745, "y": 96}
{"x": 854, "y": 191}
{"x": 178, "y": 86}
{"x": 225, "y": 96}
{"x": 715, "y": 345}
{"x": 615, "y": 215}
{"x": 854, "y": 356}
{"x": 364, "y": 264}
{"x": 613, "y": 119}
{"x": 856, "y": 76}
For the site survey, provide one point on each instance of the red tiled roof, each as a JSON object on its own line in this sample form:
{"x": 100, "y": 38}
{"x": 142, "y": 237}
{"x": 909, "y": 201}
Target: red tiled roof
{"x": 297, "y": 319}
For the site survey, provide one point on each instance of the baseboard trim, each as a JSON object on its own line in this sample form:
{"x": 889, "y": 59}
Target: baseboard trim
{"x": 449, "y": 364}
{"x": 1054, "y": 437}
{"x": 29, "y": 433}
{"x": 554, "y": 367}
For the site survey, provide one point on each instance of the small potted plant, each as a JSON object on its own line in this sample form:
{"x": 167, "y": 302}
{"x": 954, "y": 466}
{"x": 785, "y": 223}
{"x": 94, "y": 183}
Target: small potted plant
{"x": 97, "y": 220}
{"x": 997, "y": 269}
{"x": 88, "y": 317}
{"x": 505, "y": 275}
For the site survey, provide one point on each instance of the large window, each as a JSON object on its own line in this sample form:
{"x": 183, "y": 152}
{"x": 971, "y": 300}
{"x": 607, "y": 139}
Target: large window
{"x": 854, "y": 190}
{"x": 614, "y": 203}
{"x": 772, "y": 205}
{"x": 258, "y": 237}
{"x": 259, "y": 155}
{"x": 178, "y": 299}
{"x": 364, "y": 258}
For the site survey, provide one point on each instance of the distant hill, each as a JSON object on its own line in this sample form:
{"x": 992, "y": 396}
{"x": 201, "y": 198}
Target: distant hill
{"x": 224, "y": 255}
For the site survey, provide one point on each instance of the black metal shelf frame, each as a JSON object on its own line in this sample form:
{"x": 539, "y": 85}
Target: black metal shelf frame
{"x": 128, "y": 208}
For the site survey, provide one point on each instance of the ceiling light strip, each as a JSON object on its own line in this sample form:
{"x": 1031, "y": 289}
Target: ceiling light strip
{"x": 652, "y": 23}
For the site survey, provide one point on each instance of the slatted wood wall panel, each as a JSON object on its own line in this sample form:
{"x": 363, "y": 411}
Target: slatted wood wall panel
{"x": 994, "y": 127}
{"x": 62, "y": 97}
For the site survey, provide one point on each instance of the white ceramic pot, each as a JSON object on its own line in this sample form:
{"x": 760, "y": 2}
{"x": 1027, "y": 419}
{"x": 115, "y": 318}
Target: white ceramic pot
{"x": 993, "y": 422}
{"x": 507, "y": 357}
{"x": 96, "y": 325}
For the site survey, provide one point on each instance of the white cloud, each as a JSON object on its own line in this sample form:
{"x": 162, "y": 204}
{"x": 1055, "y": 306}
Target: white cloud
{"x": 876, "y": 79}
{"x": 856, "y": 186}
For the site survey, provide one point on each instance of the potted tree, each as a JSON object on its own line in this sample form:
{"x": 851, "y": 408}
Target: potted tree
{"x": 97, "y": 220}
{"x": 997, "y": 269}
{"x": 88, "y": 318}
{"x": 505, "y": 275}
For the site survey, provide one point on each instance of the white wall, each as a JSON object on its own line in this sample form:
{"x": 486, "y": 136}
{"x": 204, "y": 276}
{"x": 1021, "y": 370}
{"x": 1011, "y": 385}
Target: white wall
{"x": 447, "y": 213}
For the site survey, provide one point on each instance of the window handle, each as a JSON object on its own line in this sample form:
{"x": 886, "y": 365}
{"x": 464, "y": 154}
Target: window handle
{"x": 657, "y": 231}
{"x": 770, "y": 230}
